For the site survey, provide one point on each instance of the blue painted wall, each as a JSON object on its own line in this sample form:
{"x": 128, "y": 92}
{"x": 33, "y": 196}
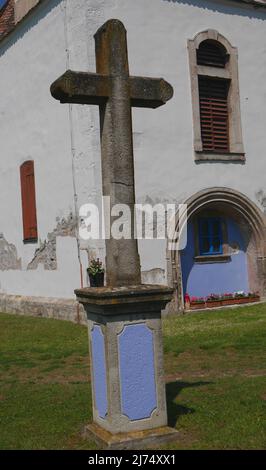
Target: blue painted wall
{"x": 137, "y": 373}
{"x": 201, "y": 280}
{"x": 99, "y": 370}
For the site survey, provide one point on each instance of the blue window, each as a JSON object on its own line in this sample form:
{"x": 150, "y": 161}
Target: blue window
{"x": 210, "y": 236}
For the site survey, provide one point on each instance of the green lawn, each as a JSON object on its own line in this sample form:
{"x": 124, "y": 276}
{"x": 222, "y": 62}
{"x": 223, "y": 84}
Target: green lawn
{"x": 215, "y": 367}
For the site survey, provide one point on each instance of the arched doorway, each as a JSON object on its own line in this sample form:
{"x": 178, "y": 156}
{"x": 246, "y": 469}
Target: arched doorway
{"x": 226, "y": 246}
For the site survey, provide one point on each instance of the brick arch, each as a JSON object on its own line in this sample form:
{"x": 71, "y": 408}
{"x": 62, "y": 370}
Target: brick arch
{"x": 242, "y": 209}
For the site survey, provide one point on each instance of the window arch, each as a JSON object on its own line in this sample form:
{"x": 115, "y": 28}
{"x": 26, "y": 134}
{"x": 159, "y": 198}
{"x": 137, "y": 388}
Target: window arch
{"x": 215, "y": 98}
{"x": 212, "y": 53}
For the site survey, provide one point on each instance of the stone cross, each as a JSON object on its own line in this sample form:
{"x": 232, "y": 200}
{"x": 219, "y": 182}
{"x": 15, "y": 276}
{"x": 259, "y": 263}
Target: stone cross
{"x": 115, "y": 92}
{"x": 124, "y": 318}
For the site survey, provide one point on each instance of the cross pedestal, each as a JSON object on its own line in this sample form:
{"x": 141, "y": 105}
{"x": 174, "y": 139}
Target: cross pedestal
{"x": 124, "y": 318}
{"x": 128, "y": 390}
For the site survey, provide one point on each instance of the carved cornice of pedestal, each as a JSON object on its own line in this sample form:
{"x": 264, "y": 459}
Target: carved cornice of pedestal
{"x": 120, "y": 300}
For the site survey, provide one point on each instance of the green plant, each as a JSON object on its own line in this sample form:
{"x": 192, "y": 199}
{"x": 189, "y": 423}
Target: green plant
{"x": 254, "y": 294}
{"x": 95, "y": 267}
{"x": 197, "y": 300}
{"x": 213, "y": 298}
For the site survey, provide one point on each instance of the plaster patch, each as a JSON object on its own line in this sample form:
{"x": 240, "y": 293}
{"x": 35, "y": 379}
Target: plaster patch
{"x": 261, "y": 198}
{"x": 153, "y": 276}
{"x": 46, "y": 253}
{"x": 8, "y": 255}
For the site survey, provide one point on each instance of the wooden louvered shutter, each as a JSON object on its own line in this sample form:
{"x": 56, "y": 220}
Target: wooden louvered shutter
{"x": 28, "y": 201}
{"x": 213, "y": 94}
{"x": 212, "y": 54}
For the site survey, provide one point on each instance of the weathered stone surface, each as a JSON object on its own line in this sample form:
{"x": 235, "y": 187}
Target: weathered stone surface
{"x": 93, "y": 88}
{"x": 46, "y": 253}
{"x": 154, "y": 276}
{"x": 115, "y": 92}
{"x": 132, "y": 440}
{"x": 261, "y": 198}
{"x": 114, "y": 309}
{"x": 81, "y": 88}
{"x": 114, "y": 300}
{"x": 124, "y": 318}
{"x": 60, "y": 309}
{"x": 8, "y": 255}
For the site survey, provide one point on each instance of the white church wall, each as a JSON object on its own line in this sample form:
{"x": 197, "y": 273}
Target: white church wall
{"x": 64, "y": 143}
{"x": 36, "y": 127}
{"x": 158, "y": 31}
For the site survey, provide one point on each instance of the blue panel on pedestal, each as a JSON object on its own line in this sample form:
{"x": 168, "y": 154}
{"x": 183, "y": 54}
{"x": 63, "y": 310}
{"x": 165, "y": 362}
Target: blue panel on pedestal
{"x": 99, "y": 370}
{"x": 137, "y": 373}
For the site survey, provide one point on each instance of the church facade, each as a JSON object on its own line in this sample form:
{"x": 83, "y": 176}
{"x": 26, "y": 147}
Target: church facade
{"x": 204, "y": 148}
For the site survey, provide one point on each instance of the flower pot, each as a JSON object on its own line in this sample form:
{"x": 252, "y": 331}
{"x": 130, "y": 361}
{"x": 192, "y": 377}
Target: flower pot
{"x": 197, "y": 305}
{"x": 254, "y": 299}
{"x": 213, "y": 303}
{"x": 228, "y": 302}
{"x": 245, "y": 300}
{"x": 242, "y": 300}
{"x": 96, "y": 280}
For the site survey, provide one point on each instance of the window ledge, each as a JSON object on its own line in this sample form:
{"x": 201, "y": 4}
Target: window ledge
{"x": 27, "y": 241}
{"x": 212, "y": 259}
{"x": 203, "y": 156}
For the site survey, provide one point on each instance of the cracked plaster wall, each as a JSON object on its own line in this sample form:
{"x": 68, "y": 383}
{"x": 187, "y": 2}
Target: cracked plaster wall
{"x": 165, "y": 169}
{"x": 164, "y": 162}
{"x": 8, "y": 255}
{"x": 40, "y": 131}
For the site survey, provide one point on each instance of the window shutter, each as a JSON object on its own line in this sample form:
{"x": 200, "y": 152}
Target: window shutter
{"x": 213, "y": 94}
{"x": 211, "y": 54}
{"x": 28, "y": 201}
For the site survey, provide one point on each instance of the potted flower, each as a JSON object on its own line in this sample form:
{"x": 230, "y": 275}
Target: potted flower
{"x": 197, "y": 303}
{"x": 227, "y": 298}
{"x": 254, "y": 297}
{"x": 187, "y": 302}
{"x": 96, "y": 273}
{"x": 241, "y": 297}
{"x": 213, "y": 300}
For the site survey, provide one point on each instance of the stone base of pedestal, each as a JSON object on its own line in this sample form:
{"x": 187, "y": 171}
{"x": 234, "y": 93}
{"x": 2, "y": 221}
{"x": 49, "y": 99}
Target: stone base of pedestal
{"x": 127, "y": 379}
{"x": 137, "y": 440}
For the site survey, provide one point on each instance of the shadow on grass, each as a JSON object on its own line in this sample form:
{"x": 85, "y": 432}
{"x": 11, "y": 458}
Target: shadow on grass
{"x": 174, "y": 410}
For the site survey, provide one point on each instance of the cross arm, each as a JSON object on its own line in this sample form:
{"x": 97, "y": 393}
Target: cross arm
{"x": 81, "y": 88}
{"x": 93, "y": 88}
{"x": 149, "y": 92}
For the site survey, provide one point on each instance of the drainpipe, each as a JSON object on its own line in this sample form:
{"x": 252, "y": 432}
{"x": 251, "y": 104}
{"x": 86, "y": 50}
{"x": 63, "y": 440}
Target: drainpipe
{"x": 73, "y": 154}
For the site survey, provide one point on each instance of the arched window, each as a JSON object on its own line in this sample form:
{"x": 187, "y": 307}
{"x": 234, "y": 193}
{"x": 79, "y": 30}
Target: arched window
{"x": 211, "y": 53}
{"x": 215, "y": 98}
{"x": 28, "y": 201}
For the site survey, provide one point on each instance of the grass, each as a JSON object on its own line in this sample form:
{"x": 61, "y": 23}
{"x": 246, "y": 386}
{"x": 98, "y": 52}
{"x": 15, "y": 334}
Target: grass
{"x": 215, "y": 367}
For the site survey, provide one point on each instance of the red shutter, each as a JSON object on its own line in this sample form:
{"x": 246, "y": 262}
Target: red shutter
{"x": 28, "y": 201}
{"x": 213, "y": 94}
